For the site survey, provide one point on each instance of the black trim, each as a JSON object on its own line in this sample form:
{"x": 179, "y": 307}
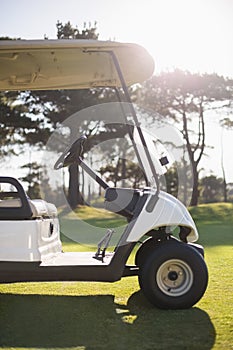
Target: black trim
{"x": 92, "y": 174}
{"x": 138, "y": 208}
{"x": 122, "y": 201}
{"x": 32, "y": 271}
{"x": 152, "y": 203}
{"x": 130, "y": 271}
{"x": 15, "y": 213}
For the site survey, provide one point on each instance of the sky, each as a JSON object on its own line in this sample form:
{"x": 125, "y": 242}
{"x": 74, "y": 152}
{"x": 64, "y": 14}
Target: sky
{"x": 194, "y": 35}
{"x": 190, "y": 34}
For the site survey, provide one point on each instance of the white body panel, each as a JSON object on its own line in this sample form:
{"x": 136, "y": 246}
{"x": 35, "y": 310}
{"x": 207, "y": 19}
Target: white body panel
{"x": 168, "y": 211}
{"x": 29, "y": 240}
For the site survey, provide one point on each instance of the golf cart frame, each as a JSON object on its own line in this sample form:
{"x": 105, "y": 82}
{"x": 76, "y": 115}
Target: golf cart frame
{"x": 172, "y": 272}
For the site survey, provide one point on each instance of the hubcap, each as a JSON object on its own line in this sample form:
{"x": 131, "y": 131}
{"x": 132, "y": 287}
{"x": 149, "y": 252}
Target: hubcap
{"x": 174, "y": 277}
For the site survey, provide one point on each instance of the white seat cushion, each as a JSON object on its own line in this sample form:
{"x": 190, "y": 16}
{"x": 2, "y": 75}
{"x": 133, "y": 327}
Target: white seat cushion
{"x": 39, "y": 207}
{"x": 10, "y": 203}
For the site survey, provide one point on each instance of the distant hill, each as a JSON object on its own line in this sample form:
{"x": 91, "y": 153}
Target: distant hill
{"x": 211, "y": 213}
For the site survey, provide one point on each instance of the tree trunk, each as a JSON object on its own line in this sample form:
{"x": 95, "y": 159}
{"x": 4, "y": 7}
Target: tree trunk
{"x": 83, "y": 183}
{"x": 185, "y": 189}
{"x": 89, "y": 193}
{"x": 200, "y": 145}
{"x": 123, "y": 173}
{"x": 223, "y": 172}
{"x": 116, "y": 172}
{"x": 185, "y": 177}
{"x": 225, "y": 190}
{"x": 74, "y": 195}
{"x": 195, "y": 193}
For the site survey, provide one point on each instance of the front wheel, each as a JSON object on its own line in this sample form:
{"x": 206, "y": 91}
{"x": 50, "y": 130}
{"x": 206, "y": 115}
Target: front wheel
{"x": 174, "y": 276}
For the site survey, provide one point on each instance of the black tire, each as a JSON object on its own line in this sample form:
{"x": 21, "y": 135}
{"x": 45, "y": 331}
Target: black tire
{"x": 174, "y": 276}
{"x": 145, "y": 249}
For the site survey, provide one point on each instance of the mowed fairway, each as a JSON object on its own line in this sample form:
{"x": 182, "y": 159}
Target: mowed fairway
{"x": 96, "y": 316}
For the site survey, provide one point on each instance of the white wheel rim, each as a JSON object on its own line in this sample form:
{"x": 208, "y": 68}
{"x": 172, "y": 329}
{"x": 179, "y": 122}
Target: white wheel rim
{"x": 174, "y": 277}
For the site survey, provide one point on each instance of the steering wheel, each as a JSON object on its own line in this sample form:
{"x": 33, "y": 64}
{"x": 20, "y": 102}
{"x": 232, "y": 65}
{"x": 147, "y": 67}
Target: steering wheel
{"x": 71, "y": 154}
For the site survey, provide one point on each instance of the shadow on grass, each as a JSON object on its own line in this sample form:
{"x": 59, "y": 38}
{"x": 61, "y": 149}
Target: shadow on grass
{"x": 96, "y": 322}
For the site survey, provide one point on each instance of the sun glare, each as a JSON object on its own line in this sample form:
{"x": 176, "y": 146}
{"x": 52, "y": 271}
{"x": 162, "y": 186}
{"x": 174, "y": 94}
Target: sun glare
{"x": 185, "y": 34}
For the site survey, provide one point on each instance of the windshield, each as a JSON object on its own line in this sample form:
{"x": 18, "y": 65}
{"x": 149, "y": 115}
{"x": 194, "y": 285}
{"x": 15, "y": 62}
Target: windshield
{"x": 115, "y": 151}
{"x": 160, "y": 156}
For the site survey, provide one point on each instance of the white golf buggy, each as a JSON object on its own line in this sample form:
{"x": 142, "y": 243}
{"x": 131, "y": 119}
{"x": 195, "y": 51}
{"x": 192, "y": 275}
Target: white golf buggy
{"x": 172, "y": 272}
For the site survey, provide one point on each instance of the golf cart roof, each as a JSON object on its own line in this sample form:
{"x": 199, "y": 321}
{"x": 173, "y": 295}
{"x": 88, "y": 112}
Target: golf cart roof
{"x": 70, "y": 64}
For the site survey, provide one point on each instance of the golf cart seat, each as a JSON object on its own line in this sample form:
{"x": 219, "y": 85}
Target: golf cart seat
{"x": 39, "y": 207}
{"x": 42, "y": 208}
{"x": 15, "y": 205}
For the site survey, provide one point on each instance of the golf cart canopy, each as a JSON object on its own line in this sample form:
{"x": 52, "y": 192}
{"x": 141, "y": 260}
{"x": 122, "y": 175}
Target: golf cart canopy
{"x": 70, "y": 64}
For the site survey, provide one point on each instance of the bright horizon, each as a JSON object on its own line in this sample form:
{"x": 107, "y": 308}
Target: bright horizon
{"x": 194, "y": 35}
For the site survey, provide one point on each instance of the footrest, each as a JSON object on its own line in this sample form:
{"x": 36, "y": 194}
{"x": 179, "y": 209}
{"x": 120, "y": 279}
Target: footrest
{"x": 103, "y": 245}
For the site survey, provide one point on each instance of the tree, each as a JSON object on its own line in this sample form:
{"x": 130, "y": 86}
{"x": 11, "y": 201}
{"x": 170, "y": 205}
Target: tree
{"x": 57, "y": 105}
{"x": 37, "y": 175}
{"x": 16, "y": 124}
{"x": 32, "y": 178}
{"x": 211, "y": 189}
{"x": 124, "y": 171}
{"x": 185, "y": 98}
{"x": 172, "y": 181}
{"x": 230, "y": 191}
{"x": 226, "y": 123}
{"x": 67, "y": 31}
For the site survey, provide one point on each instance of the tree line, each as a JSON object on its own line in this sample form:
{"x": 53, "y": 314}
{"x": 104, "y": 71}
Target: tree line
{"x": 180, "y": 97}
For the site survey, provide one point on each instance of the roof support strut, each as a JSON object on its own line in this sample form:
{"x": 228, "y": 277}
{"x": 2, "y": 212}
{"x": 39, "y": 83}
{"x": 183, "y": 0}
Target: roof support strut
{"x": 137, "y": 124}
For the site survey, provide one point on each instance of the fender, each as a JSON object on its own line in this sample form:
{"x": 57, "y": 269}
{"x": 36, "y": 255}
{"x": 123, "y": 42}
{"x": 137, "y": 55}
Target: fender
{"x": 168, "y": 211}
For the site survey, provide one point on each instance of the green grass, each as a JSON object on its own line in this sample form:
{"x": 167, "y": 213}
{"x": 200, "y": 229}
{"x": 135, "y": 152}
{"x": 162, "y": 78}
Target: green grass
{"x": 213, "y": 213}
{"x": 87, "y": 226}
{"x": 99, "y": 316}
